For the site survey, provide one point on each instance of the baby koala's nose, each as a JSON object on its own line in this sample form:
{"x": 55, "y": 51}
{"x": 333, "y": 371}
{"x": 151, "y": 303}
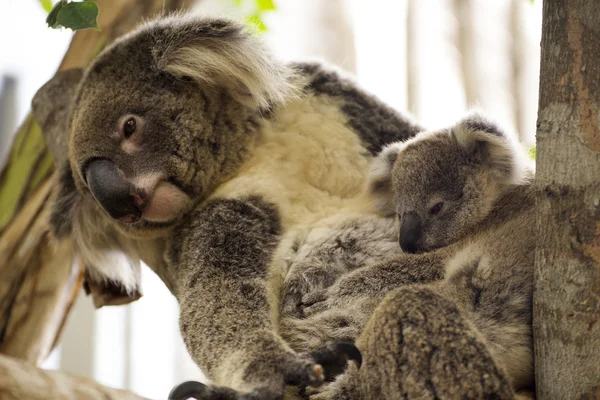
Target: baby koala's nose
{"x": 410, "y": 232}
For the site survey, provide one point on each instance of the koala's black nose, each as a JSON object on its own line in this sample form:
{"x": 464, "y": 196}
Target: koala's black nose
{"x": 112, "y": 191}
{"x": 410, "y": 232}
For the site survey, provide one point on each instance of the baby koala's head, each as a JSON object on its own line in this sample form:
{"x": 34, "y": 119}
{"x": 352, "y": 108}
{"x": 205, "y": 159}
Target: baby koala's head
{"x": 443, "y": 183}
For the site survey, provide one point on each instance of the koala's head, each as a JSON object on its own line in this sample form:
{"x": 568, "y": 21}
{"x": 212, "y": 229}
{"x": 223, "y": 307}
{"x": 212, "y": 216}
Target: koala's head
{"x": 154, "y": 124}
{"x": 443, "y": 183}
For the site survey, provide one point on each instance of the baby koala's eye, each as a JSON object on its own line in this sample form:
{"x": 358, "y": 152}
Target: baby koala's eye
{"x": 436, "y": 208}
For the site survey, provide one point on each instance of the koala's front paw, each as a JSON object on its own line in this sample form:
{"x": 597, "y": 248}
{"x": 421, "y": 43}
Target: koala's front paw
{"x": 323, "y": 364}
{"x": 334, "y": 298}
{"x": 298, "y": 284}
{"x": 319, "y": 330}
{"x": 200, "y": 391}
{"x": 311, "y": 369}
{"x": 335, "y": 356}
{"x": 350, "y": 292}
{"x": 317, "y": 302}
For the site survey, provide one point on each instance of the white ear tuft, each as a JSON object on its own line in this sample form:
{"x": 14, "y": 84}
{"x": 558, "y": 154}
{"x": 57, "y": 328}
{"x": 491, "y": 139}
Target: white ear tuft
{"x": 496, "y": 147}
{"x": 379, "y": 181}
{"x": 219, "y": 52}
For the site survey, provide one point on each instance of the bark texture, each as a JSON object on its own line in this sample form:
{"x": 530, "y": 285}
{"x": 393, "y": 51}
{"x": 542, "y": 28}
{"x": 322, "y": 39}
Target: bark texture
{"x": 21, "y": 380}
{"x": 567, "y": 272}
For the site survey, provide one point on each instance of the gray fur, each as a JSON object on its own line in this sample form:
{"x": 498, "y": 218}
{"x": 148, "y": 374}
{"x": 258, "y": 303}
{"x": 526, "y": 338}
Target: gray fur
{"x": 317, "y": 263}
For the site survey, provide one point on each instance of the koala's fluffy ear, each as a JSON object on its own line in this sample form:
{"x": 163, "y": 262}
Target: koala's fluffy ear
{"x": 379, "y": 181}
{"x": 220, "y": 52}
{"x": 51, "y": 107}
{"x": 496, "y": 148}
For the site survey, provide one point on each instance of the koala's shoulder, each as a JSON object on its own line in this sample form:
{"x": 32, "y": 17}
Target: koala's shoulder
{"x": 375, "y": 122}
{"x": 249, "y": 225}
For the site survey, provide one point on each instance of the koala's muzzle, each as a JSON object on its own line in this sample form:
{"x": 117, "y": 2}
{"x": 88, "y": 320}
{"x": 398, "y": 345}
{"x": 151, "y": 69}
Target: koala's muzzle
{"x": 410, "y": 232}
{"x": 112, "y": 191}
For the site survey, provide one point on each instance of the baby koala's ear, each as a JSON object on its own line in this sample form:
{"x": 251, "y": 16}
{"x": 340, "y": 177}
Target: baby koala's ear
{"x": 379, "y": 180}
{"x": 486, "y": 143}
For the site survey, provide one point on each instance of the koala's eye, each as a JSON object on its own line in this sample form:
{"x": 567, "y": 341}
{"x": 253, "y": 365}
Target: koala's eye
{"x": 128, "y": 126}
{"x": 436, "y": 208}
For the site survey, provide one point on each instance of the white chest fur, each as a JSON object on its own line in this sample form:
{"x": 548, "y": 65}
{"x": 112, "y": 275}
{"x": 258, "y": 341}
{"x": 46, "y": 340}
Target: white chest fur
{"x": 307, "y": 162}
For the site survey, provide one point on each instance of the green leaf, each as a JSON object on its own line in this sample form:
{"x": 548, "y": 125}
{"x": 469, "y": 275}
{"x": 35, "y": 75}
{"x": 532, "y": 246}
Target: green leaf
{"x": 256, "y": 20}
{"x": 266, "y": 5}
{"x": 77, "y": 16}
{"x": 51, "y": 18}
{"x": 47, "y": 5}
{"x": 532, "y": 152}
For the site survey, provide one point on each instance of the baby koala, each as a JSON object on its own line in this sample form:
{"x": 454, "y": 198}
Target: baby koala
{"x": 443, "y": 184}
{"x": 464, "y": 200}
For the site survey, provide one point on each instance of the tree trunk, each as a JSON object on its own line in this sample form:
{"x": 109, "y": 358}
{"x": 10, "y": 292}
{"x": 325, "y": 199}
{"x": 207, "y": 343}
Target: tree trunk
{"x": 21, "y": 380}
{"x": 567, "y": 269}
{"x": 40, "y": 280}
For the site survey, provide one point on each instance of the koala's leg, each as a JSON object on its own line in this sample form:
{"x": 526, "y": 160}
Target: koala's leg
{"x": 219, "y": 259}
{"x": 418, "y": 345}
{"x": 495, "y": 295}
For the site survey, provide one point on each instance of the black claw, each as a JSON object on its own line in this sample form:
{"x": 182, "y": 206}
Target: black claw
{"x": 335, "y": 356}
{"x": 351, "y": 352}
{"x": 190, "y": 389}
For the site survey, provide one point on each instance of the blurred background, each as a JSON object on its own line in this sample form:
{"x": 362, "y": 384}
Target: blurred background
{"x": 432, "y": 58}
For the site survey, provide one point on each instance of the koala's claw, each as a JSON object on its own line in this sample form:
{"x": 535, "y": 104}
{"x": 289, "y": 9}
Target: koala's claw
{"x": 199, "y": 391}
{"x": 191, "y": 389}
{"x": 334, "y": 357}
{"x": 318, "y": 373}
{"x": 305, "y": 373}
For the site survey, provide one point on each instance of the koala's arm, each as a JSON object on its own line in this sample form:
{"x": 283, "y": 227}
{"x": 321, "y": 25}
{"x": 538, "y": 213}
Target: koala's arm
{"x": 220, "y": 258}
{"x": 341, "y": 311}
{"x": 374, "y": 282}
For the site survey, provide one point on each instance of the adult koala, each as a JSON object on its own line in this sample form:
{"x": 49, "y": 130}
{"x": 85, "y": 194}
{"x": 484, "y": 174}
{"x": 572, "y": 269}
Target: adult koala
{"x": 191, "y": 149}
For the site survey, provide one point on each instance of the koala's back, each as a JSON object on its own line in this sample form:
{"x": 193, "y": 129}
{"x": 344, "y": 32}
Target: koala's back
{"x": 490, "y": 277}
